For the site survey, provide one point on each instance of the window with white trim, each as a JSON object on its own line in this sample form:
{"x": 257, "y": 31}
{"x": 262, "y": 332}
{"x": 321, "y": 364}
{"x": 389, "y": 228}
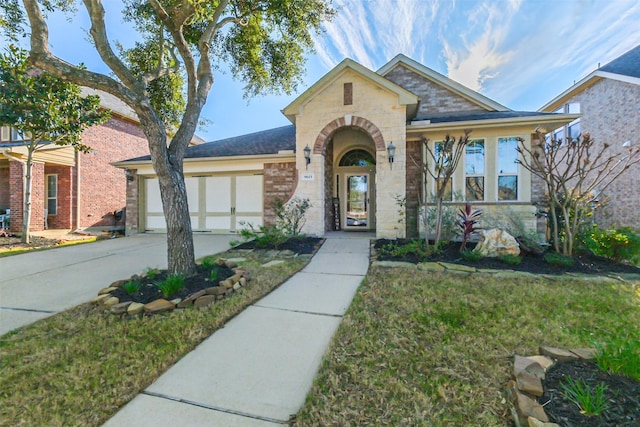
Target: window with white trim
{"x": 572, "y": 130}
{"x": 474, "y": 166}
{"x": 507, "y": 168}
{"x": 52, "y": 194}
{"x": 444, "y": 161}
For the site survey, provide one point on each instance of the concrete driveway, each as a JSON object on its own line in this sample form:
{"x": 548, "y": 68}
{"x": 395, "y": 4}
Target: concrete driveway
{"x": 38, "y": 284}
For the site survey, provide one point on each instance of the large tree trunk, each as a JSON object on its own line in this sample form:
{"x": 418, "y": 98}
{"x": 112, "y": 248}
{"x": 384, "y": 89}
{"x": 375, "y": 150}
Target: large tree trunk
{"x": 168, "y": 168}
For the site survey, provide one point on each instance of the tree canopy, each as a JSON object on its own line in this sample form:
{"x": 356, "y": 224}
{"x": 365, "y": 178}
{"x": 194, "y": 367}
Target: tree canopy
{"x": 262, "y": 41}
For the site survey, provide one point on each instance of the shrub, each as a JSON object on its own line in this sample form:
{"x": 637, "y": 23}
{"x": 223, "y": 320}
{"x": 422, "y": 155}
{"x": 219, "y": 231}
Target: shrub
{"x": 208, "y": 262}
{"x": 264, "y": 236}
{"x": 591, "y": 401}
{"x": 151, "y": 273}
{"x": 616, "y": 244}
{"x": 510, "y": 259}
{"x": 131, "y": 287}
{"x": 214, "y": 274}
{"x": 417, "y": 248}
{"x": 619, "y": 356}
{"x": 467, "y": 221}
{"x": 291, "y": 216}
{"x": 471, "y": 256}
{"x": 558, "y": 260}
{"x": 171, "y": 285}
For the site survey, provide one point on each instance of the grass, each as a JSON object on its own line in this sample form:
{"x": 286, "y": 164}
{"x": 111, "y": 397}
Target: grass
{"x": 16, "y": 251}
{"x": 80, "y": 366}
{"x": 436, "y": 349}
{"x": 620, "y": 355}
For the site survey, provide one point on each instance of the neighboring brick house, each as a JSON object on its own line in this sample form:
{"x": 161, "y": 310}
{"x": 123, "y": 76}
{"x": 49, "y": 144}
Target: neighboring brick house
{"x": 79, "y": 191}
{"x": 608, "y": 101}
{"x": 350, "y": 150}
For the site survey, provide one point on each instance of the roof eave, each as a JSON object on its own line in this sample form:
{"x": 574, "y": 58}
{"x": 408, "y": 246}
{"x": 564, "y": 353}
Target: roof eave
{"x": 279, "y": 156}
{"x": 543, "y": 120}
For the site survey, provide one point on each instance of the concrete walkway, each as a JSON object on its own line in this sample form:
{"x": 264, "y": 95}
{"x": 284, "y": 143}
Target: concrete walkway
{"x": 36, "y": 285}
{"x": 258, "y": 369}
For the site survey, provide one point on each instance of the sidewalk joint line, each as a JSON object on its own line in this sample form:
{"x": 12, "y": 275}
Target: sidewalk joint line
{"x": 28, "y": 309}
{"x": 214, "y": 408}
{"x": 315, "y": 313}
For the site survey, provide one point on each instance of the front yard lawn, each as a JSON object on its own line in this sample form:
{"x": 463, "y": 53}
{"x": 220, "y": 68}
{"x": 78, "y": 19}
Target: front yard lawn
{"x": 420, "y": 348}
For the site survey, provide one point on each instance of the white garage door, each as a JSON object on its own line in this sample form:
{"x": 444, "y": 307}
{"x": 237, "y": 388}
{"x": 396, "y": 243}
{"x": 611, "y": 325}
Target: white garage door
{"x": 220, "y": 204}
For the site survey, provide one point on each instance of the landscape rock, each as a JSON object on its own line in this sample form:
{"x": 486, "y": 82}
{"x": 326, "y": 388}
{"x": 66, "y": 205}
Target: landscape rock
{"x": 529, "y": 384}
{"x": 527, "y": 407}
{"x": 287, "y": 253}
{"x": 237, "y": 286}
{"x": 243, "y": 281}
{"x": 118, "y": 283}
{"x": 393, "y": 264}
{"x": 227, "y": 284}
{"x": 458, "y": 267}
{"x": 231, "y": 264}
{"x": 558, "y": 354}
{"x": 135, "y": 308}
{"x": 534, "y": 422}
{"x": 221, "y": 262}
{"x": 120, "y": 308}
{"x": 214, "y": 290}
{"x": 237, "y": 260}
{"x": 100, "y": 299}
{"x": 543, "y": 361}
{"x": 584, "y": 353}
{"x": 524, "y": 364}
{"x": 110, "y": 302}
{"x": 430, "y": 266}
{"x": 107, "y": 290}
{"x": 158, "y": 306}
{"x": 272, "y": 263}
{"x": 496, "y": 242}
{"x": 204, "y": 301}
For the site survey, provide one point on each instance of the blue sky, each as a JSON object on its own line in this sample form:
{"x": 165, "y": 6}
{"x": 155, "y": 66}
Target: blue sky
{"x": 521, "y": 53}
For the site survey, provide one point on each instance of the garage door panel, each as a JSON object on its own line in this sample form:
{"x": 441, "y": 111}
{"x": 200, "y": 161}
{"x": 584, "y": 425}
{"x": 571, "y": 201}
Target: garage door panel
{"x": 243, "y": 222}
{"x": 218, "y": 223}
{"x": 154, "y": 201}
{"x": 249, "y": 193}
{"x": 218, "y": 194}
{"x": 193, "y": 193}
{"x": 156, "y": 223}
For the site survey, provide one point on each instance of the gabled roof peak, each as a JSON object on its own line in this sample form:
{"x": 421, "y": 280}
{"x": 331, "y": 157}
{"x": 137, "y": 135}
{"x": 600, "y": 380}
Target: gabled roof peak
{"x": 473, "y": 96}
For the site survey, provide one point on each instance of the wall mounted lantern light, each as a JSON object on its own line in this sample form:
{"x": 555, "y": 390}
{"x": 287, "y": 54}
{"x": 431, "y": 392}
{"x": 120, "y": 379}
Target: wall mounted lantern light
{"x": 391, "y": 149}
{"x": 307, "y": 155}
{"x": 128, "y": 174}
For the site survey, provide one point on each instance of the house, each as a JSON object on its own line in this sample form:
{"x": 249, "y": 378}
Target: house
{"x": 77, "y": 191}
{"x": 353, "y": 149}
{"x": 608, "y": 101}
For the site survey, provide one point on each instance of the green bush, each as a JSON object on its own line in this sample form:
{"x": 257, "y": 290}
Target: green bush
{"x": 264, "y": 236}
{"x": 471, "y": 256}
{"x": 131, "y": 287}
{"x": 208, "y": 262}
{"x": 416, "y": 247}
{"x": 620, "y": 244}
{"x": 558, "y": 260}
{"x": 510, "y": 259}
{"x": 171, "y": 285}
{"x": 592, "y": 401}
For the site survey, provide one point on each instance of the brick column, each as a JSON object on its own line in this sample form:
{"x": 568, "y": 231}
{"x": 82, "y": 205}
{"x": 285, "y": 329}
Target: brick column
{"x": 132, "y": 209}
{"x": 16, "y": 202}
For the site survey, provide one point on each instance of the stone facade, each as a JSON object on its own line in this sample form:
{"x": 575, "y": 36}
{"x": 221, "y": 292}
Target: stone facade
{"x": 610, "y": 113}
{"x": 414, "y": 185}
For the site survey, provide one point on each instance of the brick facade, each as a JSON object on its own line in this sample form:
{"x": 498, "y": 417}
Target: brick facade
{"x": 16, "y": 199}
{"x": 433, "y": 97}
{"x": 610, "y": 113}
{"x": 280, "y": 180}
{"x": 89, "y": 192}
{"x": 414, "y": 178}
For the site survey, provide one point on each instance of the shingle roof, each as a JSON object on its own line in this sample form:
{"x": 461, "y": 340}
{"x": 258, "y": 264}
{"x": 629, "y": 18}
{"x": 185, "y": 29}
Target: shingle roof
{"x": 254, "y": 144}
{"x": 464, "y": 116}
{"x": 627, "y": 64}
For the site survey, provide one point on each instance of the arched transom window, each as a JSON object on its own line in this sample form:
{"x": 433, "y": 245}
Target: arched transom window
{"x": 357, "y": 158}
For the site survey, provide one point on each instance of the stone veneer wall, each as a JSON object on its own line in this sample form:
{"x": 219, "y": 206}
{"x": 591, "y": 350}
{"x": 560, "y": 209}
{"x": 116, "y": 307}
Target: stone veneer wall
{"x": 610, "y": 113}
{"x": 414, "y": 178}
{"x": 433, "y": 97}
{"x": 132, "y": 214}
{"x": 280, "y": 180}
{"x": 328, "y": 187}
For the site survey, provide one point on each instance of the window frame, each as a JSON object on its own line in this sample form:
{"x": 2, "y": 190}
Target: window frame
{"x": 452, "y": 181}
{"x": 54, "y": 198}
{"x": 499, "y": 174}
{"x": 482, "y": 175}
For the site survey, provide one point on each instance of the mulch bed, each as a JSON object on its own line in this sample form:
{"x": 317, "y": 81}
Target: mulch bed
{"x": 304, "y": 245}
{"x": 530, "y": 263}
{"x": 623, "y": 395}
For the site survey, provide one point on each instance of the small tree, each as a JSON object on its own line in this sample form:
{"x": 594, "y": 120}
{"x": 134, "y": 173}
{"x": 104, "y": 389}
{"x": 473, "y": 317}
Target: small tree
{"x": 46, "y": 110}
{"x": 440, "y": 163}
{"x": 574, "y": 173}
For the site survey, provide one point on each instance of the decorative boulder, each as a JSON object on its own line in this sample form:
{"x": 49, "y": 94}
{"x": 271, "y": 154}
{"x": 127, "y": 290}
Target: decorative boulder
{"x": 495, "y": 242}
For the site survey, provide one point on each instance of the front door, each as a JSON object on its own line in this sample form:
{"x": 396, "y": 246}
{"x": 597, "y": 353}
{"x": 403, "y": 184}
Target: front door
{"x": 358, "y": 212}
